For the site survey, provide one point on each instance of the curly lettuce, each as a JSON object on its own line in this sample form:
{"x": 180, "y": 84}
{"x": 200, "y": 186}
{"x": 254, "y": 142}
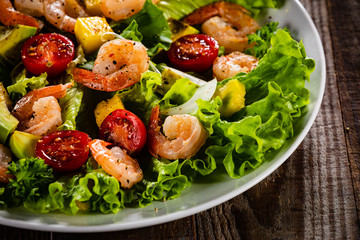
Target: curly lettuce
{"x": 151, "y": 24}
{"x": 22, "y": 84}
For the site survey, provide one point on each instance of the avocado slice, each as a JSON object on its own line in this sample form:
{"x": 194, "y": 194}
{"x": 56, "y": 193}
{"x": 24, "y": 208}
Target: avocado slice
{"x": 10, "y": 39}
{"x": 232, "y": 94}
{"x": 8, "y": 122}
{"x": 23, "y": 144}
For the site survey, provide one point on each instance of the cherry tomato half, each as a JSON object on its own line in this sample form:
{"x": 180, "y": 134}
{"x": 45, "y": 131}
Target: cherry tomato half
{"x": 64, "y": 150}
{"x": 49, "y": 52}
{"x": 194, "y": 52}
{"x": 125, "y": 129}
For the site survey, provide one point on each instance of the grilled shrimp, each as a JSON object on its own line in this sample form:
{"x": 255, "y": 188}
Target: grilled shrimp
{"x": 116, "y": 163}
{"x": 119, "y": 64}
{"x": 11, "y": 17}
{"x": 5, "y": 158}
{"x": 183, "y": 136}
{"x": 228, "y": 66}
{"x": 60, "y": 13}
{"x": 121, "y": 9}
{"x": 46, "y": 117}
{"x": 30, "y": 114}
{"x": 227, "y": 22}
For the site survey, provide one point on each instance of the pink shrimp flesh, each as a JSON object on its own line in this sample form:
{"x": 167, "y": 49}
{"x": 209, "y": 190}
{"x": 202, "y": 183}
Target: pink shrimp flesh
{"x": 10, "y": 17}
{"x": 119, "y": 64}
{"x": 184, "y": 136}
{"x": 23, "y": 109}
{"x": 116, "y": 163}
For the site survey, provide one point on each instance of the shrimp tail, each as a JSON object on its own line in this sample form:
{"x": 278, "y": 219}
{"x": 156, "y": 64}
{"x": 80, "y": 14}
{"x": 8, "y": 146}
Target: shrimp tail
{"x": 23, "y": 108}
{"x": 154, "y": 134}
{"x": 89, "y": 79}
{"x": 200, "y": 15}
{"x": 113, "y": 82}
{"x": 116, "y": 163}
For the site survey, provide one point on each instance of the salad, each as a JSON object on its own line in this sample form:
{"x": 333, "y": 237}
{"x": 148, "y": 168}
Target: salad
{"x": 110, "y": 111}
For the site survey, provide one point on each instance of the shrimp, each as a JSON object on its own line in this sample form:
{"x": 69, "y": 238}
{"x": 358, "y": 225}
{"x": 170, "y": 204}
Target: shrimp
{"x": 116, "y": 163}
{"x": 60, "y": 13}
{"x": 34, "y": 8}
{"x": 5, "y": 158}
{"x": 121, "y": 9}
{"x": 183, "y": 136}
{"x": 228, "y": 66}
{"x": 226, "y": 22}
{"x": 10, "y": 17}
{"x": 55, "y": 13}
{"x": 24, "y": 108}
{"x": 119, "y": 64}
{"x": 46, "y": 117}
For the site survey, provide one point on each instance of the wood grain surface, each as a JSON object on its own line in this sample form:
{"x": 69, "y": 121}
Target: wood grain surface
{"x": 315, "y": 194}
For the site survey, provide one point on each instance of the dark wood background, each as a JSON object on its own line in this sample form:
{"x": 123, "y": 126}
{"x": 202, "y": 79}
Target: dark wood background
{"x": 315, "y": 194}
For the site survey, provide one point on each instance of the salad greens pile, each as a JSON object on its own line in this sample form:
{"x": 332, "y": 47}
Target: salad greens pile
{"x": 275, "y": 97}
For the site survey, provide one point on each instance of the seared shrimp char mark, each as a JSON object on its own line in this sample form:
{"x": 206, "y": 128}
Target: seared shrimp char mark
{"x": 184, "y": 136}
{"x": 119, "y": 64}
{"x": 116, "y": 163}
{"x": 227, "y": 22}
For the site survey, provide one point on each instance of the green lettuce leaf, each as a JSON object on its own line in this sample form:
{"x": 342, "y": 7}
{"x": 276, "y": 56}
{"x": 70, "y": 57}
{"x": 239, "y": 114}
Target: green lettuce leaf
{"x": 176, "y": 97}
{"x": 275, "y": 95}
{"x": 152, "y": 25}
{"x": 261, "y": 38}
{"x": 22, "y": 84}
{"x": 167, "y": 182}
{"x": 286, "y": 64}
{"x": 70, "y": 106}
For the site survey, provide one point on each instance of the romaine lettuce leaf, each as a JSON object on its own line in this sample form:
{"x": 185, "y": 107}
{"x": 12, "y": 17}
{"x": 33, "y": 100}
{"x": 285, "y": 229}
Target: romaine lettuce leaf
{"x": 70, "y": 107}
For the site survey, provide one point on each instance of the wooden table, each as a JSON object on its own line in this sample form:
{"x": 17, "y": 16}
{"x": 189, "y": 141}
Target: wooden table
{"x": 315, "y": 194}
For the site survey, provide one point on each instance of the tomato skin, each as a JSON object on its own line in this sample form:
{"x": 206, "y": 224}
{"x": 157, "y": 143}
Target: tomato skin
{"x": 194, "y": 52}
{"x": 65, "y": 150}
{"x": 48, "y": 52}
{"x": 125, "y": 129}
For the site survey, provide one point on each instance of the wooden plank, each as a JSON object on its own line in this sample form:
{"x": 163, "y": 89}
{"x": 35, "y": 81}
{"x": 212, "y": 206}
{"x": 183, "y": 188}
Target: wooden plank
{"x": 10, "y": 233}
{"x": 346, "y": 45}
{"x": 180, "y": 229}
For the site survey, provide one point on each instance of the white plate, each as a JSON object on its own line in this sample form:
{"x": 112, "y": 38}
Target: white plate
{"x": 204, "y": 195}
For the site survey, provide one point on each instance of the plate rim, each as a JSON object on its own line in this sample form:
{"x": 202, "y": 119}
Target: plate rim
{"x": 18, "y": 223}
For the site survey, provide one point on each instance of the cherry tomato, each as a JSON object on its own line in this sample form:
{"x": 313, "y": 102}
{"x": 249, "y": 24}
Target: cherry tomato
{"x": 49, "y": 52}
{"x": 64, "y": 150}
{"x": 125, "y": 129}
{"x": 194, "y": 52}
